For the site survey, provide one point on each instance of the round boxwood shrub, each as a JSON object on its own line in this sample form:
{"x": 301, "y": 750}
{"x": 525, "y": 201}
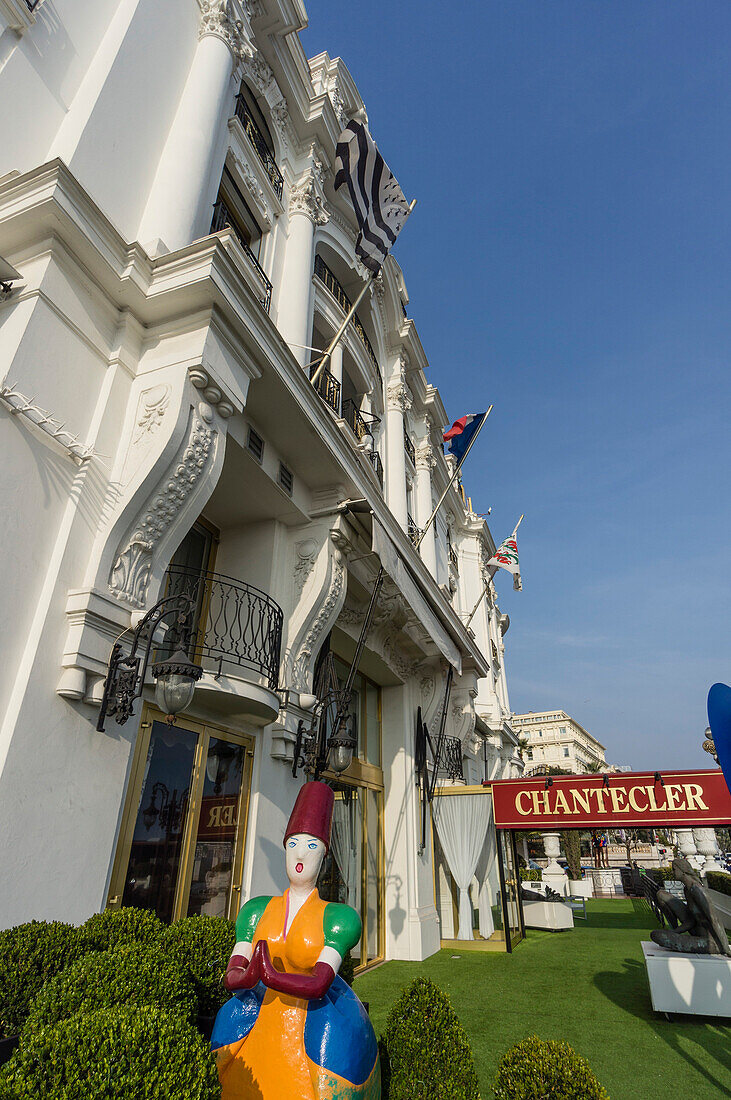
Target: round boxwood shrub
{"x": 202, "y": 945}
{"x": 425, "y": 1049}
{"x": 529, "y": 874}
{"x": 117, "y": 926}
{"x": 719, "y": 880}
{"x": 347, "y": 970}
{"x": 536, "y": 1070}
{"x": 114, "y": 1052}
{"x": 30, "y": 954}
{"x": 133, "y": 974}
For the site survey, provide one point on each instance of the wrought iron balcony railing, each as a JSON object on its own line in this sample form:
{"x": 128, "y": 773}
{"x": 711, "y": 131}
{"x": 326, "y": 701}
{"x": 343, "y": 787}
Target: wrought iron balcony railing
{"x": 256, "y": 138}
{"x": 235, "y": 623}
{"x": 325, "y": 275}
{"x": 411, "y": 529}
{"x": 450, "y": 759}
{"x": 375, "y": 460}
{"x": 409, "y": 447}
{"x": 362, "y": 423}
{"x": 223, "y": 219}
{"x": 328, "y": 388}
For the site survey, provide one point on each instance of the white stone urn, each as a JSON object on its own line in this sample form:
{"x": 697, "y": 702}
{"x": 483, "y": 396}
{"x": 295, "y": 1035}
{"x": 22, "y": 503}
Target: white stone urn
{"x": 552, "y": 848}
{"x": 707, "y": 846}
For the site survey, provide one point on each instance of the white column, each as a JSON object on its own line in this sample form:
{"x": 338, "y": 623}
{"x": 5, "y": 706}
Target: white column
{"x": 336, "y": 363}
{"x": 425, "y": 461}
{"x": 175, "y": 208}
{"x": 306, "y": 211}
{"x": 399, "y": 399}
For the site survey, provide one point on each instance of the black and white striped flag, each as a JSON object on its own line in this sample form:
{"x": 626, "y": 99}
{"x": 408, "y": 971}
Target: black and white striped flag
{"x": 379, "y": 203}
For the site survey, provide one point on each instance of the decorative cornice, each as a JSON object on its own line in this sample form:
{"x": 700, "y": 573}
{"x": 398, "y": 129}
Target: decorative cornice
{"x": 217, "y": 18}
{"x": 306, "y": 198}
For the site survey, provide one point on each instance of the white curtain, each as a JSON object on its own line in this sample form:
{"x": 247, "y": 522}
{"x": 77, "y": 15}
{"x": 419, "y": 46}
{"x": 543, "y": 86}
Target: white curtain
{"x": 344, "y": 845}
{"x": 486, "y": 865}
{"x": 461, "y": 822}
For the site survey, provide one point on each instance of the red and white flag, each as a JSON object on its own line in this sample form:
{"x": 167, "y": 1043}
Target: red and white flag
{"x": 506, "y": 557}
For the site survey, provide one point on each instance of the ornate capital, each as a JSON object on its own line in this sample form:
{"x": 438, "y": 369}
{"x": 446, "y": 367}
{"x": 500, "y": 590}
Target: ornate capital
{"x": 306, "y": 198}
{"x": 218, "y": 18}
{"x": 425, "y": 457}
{"x": 399, "y": 394}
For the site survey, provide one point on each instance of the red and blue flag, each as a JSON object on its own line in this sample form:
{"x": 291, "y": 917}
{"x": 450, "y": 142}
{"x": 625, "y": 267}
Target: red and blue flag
{"x": 462, "y": 432}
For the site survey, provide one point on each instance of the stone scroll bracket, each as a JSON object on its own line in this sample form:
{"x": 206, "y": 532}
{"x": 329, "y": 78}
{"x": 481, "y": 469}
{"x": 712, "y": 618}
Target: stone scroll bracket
{"x": 319, "y": 572}
{"x": 175, "y": 428}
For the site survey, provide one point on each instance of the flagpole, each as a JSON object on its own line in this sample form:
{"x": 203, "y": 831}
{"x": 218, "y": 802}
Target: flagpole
{"x": 442, "y": 498}
{"x": 349, "y": 317}
{"x": 484, "y": 590}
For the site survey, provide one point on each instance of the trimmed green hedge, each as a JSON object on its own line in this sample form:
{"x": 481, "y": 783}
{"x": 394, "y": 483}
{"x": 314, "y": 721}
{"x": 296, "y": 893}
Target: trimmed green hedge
{"x": 112, "y": 1053}
{"x": 538, "y": 1070}
{"x": 425, "y": 1052}
{"x": 117, "y": 926}
{"x": 719, "y": 880}
{"x": 347, "y": 970}
{"x": 134, "y": 974}
{"x": 30, "y": 954}
{"x": 202, "y": 945}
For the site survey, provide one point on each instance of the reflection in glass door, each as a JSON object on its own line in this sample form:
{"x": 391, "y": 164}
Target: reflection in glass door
{"x": 509, "y": 886}
{"x": 353, "y": 869}
{"x": 181, "y": 846}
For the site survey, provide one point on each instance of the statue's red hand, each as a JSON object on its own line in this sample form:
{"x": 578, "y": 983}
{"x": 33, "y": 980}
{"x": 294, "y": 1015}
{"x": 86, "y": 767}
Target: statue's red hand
{"x": 308, "y": 986}
{"x": 241, "y": 974}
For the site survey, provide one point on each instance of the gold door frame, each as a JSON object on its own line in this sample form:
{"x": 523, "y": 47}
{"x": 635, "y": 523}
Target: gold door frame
{"x": 203, "y": 731}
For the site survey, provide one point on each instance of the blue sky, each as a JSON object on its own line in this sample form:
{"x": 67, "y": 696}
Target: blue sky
{"x": 569, "y": 261}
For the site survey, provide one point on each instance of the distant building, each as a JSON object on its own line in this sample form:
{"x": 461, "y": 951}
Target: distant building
{"x": 557, "y": 740}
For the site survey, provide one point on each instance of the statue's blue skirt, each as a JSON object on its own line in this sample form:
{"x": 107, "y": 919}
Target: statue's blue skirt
{"x": 338, "y": 1034}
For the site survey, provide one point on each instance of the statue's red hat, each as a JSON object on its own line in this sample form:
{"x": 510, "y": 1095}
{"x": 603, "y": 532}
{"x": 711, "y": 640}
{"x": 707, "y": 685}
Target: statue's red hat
{"x": 312, "y": 813}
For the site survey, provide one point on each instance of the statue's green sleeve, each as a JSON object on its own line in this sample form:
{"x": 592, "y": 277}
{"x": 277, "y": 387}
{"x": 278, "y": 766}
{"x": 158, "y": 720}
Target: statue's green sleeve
{"x": 342, "y": 927}
{"x": 248, "y": 918}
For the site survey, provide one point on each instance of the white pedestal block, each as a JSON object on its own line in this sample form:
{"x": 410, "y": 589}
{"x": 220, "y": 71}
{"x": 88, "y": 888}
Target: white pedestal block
{"x": 558, "y": 882}
{"x": 722, "y": 904}
{"x": 581, "y": 888}
{"x": 551, "y": 915}
{"x": 694, "y": 984}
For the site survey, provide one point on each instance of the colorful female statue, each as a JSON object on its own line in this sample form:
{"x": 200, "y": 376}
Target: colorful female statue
{"x": 293, "y": 1029}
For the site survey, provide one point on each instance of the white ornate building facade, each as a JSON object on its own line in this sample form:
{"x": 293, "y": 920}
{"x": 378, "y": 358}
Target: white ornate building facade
{"x": 166, "y": 197}
{"x": 555, "y": 739}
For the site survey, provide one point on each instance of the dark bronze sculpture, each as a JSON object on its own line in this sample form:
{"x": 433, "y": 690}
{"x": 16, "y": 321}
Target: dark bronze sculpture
{"x": 694, "y": 924}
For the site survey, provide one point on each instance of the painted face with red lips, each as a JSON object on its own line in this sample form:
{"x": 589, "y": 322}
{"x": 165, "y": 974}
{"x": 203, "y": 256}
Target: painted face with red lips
{"x": 304, "y": 856}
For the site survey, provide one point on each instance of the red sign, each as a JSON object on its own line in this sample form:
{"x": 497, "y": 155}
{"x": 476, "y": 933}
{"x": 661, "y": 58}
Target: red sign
{"x": 682, "y": 799}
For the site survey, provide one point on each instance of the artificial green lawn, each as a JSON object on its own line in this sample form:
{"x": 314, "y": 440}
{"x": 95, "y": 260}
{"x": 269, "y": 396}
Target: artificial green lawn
{"x": 588, "y": 987}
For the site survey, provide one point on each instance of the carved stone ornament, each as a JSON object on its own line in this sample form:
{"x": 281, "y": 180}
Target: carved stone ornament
{"x": 150, "y": 412}
{"x": 425, "y": 456}
{"x": 130, "y": 573}
{"x": 317, "y": 631}
{"x": 399, "y": 395}
{"x": 217, "y": 19}
{"x": 252, "y": 185}
{"x": 258, "y": 72}
{"x": 306, "y": 198}
{"x": 306, "y": 557}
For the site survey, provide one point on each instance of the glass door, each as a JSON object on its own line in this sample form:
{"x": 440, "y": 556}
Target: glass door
{"x": 352, "y": 872}
{"x": 181, "y": 846}
{"x": 512, "y": 910}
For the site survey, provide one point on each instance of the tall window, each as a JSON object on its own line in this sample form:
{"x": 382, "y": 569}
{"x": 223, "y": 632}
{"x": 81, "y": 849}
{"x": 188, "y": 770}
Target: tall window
{"x": 231, "y": 210}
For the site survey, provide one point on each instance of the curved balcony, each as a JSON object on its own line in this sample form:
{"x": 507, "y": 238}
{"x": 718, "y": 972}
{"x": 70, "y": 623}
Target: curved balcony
{"x": 236, "y": 631}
